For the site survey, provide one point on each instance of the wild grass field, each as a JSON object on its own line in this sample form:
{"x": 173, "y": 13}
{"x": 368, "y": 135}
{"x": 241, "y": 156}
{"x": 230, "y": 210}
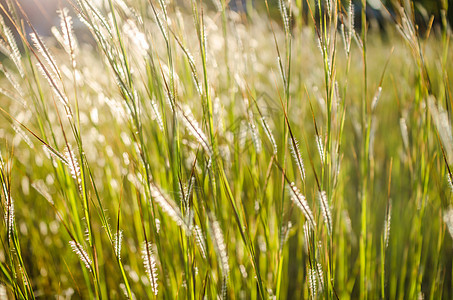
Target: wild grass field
{"x": 189, "y": 151}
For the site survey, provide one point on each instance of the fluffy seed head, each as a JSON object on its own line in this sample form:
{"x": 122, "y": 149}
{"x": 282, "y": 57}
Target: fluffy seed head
{"x": 186, "y": 117}
{"x": 13, "y": 50}
{"x": 157, "y": 115}
{"x": 320, "y": 276}
{"x": 9, "y": 216}
{"x": 73, "y": 165}
{"x": 254, "y": 131}
{"x": 325, "y": 210}
{"x": 269, "y": 134}
{"x": 320, "y": 145}
{"x": 168, "y": 206}
{"x": 295, "y": 151}
{"x": 300, "y": 201}
{"x": 200, "y": 240}
{"x": 312, "y": 282}
{"x": 149, "y": 261}
{"x": 219, "y": 246}
{"x": 117, "y": 240}
{"x": 81, "y": 253}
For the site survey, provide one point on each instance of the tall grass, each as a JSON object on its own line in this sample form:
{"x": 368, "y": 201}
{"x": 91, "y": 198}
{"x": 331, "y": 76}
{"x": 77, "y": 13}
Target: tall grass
{"x": 190, "y": 151}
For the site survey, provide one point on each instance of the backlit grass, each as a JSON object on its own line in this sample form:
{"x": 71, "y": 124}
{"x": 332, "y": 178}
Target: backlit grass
{"x": 190, "y": 151}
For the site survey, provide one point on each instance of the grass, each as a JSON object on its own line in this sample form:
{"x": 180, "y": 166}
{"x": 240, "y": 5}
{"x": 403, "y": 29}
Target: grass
{"x": 189, "y": 152}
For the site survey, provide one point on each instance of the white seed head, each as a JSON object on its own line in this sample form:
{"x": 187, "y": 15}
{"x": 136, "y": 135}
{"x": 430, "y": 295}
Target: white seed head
{"x": 168, "y": 206}
{"x": 325, "y": 209}
{"x": 300, "y": 201}
{"x": 312, "y": 282}
{"x": 269, "y": 134}
{"x": 219, "y": 246}
{"x": 117, "y": 241}
{"x": 9, "y": 216}
{"x": 200, "y": 240}
{"x": 81, "y": 253}
{"x": 186, "y": 117}
{"x": 149, "y": 261}
{"x": 295, "y": 151}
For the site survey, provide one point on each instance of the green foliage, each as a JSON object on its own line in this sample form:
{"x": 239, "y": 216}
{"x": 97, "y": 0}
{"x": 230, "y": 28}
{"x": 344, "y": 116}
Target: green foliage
{"x": 186, "y": 152}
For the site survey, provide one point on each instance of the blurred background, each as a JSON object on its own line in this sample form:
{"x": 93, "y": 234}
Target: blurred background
{"x": 42, "y": 13}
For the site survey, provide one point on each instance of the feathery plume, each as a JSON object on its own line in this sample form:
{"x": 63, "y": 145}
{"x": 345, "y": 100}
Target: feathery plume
{"x": 69, "y": 40}
{"x": 325, "y": 211}
{"x": 191, "y": 124}
{"x": 376, "y": 98}
{"x": 10, "y": 95}
{"x": 4, "y": 48}
{"x": 188, "y": 193}
{"x": 219, "y": 246}
{"x": 149, "y": 261}
{"x": 192, "y": 65}
{"x": 200, "y": 240}
{"x": 224, "y": 288}
{"x": 137, "y": 38}
{"x": 73, "y": 164}
{"x": 42, "y": 188}
{"x": 117, "y": 240}
{"x": 351, "y": 19}
{"x": 344, "y": 39}
{"x": 13, "y": 50}
{"x": 14, "y": 82}
{"x": 163, "y": 6}
{"x": 52, "y": 153}
{"x": 157, "y": 115}
{"x": 23, "y": 275}
{"x": 9, "y": 216}
{"x": 284, "y": 14}
{"x": 125, "y": 293}
{"x": 162, "y": 23}
{"x": 312, "y": 283}
{"x": 129, "y": 11}
{"x": 168, "y": 206}
{"x": 44, "y": 51}
{"x": 300, "y": 201}
{"x": 254, "y": 131}
{"x": 320, "y": 145}
{"x": 320, "y": 276}
{"x": 269, "y": 134}
{"x": 55, "y": 88}
{"x": 81, "y": 253}
{"x": 295, "y": 151}
{"x": 280, "y": 64}
{"x": 93, "y": 14}
{"x": 22, "y": 134}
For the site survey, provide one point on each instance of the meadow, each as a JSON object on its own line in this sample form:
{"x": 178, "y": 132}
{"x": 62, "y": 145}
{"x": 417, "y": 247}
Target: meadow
{"x": 189, "y": 151}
